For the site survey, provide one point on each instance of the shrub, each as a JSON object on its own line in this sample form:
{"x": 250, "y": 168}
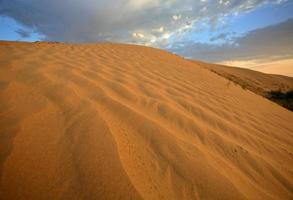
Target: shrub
{"x": 285, "y": 99}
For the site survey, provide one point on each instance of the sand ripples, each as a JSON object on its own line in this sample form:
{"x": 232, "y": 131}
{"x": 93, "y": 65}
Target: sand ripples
{"x": 127, "y": 122}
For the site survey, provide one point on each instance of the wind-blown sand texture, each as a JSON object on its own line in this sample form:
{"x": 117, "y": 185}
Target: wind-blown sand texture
{"x": 257, "y": 82}
{"x": 111, "y": 121}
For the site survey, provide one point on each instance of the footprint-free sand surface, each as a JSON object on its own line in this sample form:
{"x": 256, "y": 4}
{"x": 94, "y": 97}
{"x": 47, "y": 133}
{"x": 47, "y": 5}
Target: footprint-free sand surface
{"x": 112, "y": 121}
{"x": 258, "y": 82}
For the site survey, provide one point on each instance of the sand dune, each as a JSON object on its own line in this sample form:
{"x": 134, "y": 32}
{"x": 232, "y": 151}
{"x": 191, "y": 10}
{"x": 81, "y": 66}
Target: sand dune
{"x": 257, "y": 82}
{"x": 281, "y": 66}
{"x": 110, "y": 121}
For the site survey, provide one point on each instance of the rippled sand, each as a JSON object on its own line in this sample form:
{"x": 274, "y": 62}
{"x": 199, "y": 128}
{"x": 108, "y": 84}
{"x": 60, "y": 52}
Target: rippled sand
{"x": 111, "y": 121}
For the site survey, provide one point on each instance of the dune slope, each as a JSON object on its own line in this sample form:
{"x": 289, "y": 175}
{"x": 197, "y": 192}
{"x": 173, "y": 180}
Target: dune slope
{"x": 110, "y": 121}
{"x": 277, "y": 88}
{"x": 257, "y": 82}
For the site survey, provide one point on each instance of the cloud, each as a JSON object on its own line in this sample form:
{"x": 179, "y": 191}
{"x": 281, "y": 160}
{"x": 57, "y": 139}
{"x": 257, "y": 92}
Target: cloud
{"x": 221, "y": 36}
{"x": 176, "y": 17}
{"x": 23, "y": 33}
{"x": 272, "y": 42}
{"x": 119, "y": 20}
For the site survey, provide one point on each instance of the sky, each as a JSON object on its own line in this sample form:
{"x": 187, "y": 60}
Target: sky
{"x": 246, "y": 33}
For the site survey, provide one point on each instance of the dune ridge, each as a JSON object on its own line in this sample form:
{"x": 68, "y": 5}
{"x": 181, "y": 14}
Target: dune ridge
{"x": 113, "y": 121}
{"x": 277, "y": 88}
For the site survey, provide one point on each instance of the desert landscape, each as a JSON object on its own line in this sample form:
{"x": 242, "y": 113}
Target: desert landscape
{"x": 273, "y": 87}
{"x": 117, "y": 121}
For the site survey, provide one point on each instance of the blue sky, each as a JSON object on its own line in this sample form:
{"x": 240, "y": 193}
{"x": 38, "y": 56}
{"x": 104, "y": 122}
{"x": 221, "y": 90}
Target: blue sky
{"x": 196, "y": 29}
{"x": 261, "y": 16}
{"x": 237, "y": 25}
{"x": 10, "y": 30}
{"x": 264, "y": 16}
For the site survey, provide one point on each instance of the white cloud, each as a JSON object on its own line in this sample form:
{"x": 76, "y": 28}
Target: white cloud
{"x": 117, "y": 20}
{"x": 142, "y": 4}
{"x": 176, "y": 17}
{"x": 224, "y": 2}
{"x": 158, "y": 30}
{"x": 270, "y": 42}
{"x": 137, "y": 35}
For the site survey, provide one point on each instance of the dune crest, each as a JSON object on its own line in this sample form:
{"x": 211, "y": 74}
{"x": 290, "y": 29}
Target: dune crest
{"x": 111, "y": 121}
{"x": 276, "y": 88}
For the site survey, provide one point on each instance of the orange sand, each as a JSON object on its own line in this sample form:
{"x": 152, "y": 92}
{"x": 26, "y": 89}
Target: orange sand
{"x": 258, "y": 82}
{"x": 110, "y": 121}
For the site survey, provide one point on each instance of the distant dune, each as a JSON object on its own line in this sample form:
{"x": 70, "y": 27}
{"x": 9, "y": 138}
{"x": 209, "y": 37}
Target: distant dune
{"x": 257, "y": 82}
{"x": 111, "y": 121}
{"x": 282, "y": 66}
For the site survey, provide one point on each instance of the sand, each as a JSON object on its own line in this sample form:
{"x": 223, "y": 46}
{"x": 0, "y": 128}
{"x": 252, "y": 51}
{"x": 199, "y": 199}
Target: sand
{"x": 111, "y": 121}
{"x": 281, "y": 66}
{"x": 258, "y": 82}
